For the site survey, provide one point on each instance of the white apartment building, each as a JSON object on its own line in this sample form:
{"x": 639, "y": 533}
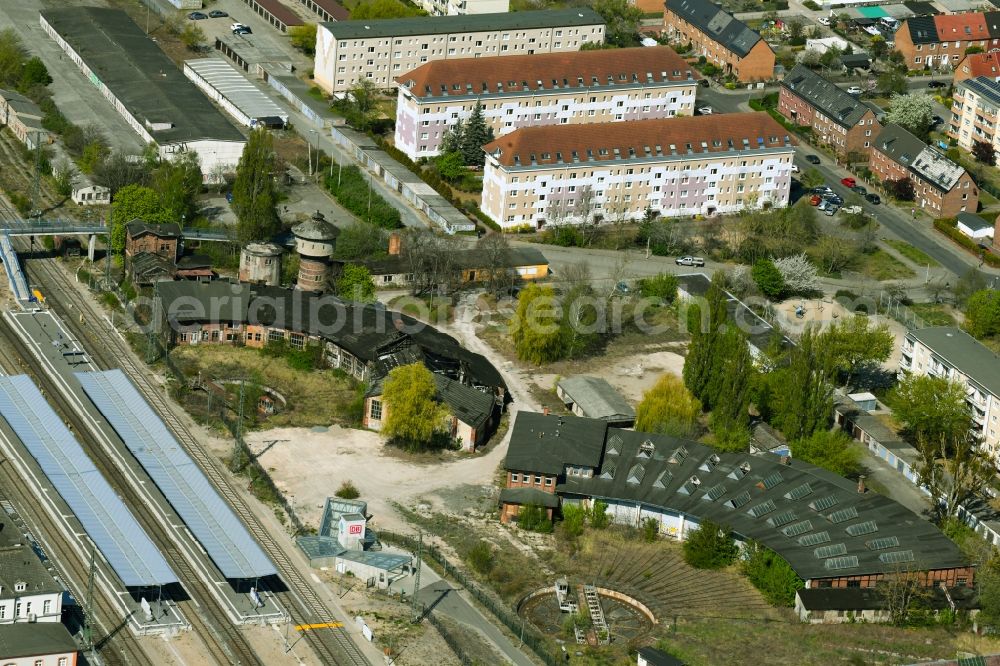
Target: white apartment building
{"x": 608, "y": 85}
{"x": 28, "y": 592}
{"x": 700, "y": 165}
{"x": 974, "y": 112}
{"x": 949, "y": 352}
{"x": 347, "y": 51}
{"x": 462, "y": 7}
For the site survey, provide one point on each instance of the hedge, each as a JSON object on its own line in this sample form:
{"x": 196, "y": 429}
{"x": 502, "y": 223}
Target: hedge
{"x": 948, "y": 226}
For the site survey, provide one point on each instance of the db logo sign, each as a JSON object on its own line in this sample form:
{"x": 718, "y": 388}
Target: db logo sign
{"x": 355, "y": 529}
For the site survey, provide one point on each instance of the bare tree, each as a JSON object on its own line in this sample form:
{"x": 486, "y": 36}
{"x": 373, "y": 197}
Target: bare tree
{"x": 900, "y": 589}
{"x": 495, "y": 252}
{"x": 431, "y": 261}
{"x": 118, "y": 170}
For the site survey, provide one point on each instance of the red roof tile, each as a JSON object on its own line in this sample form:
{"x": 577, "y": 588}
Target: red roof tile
{"x": 640, "y": 138}
{"x": 546, "y": 71}
{"x": 955, "y": 27}
{"x": 982, "y": 64}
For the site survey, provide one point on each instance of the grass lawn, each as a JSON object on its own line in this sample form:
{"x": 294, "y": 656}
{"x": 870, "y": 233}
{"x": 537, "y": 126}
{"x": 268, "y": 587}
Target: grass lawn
{"x": 881, "y": 265}
{"x": 317, "y": 397}
{"x": 934, "y": 314}
{"x": 437, "y": 310}
{"x": 915, "y": 255}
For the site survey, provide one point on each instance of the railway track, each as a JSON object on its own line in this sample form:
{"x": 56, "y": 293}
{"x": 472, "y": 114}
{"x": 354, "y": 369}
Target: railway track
{"x": 114, "y": 647}
{"x": 332, "y": 646}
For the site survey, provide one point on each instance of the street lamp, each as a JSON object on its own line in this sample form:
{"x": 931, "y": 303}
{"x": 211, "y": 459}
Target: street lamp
{"x": 309, "y": 147}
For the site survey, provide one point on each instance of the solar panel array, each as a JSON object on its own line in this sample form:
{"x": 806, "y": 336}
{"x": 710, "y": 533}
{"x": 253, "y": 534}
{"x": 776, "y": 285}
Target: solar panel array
{"x": 104, "y": 517}
{"x": 213, "y": 523}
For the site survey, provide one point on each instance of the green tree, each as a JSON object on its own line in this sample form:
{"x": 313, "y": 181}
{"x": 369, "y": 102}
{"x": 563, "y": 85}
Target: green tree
{"x": 534, "y": 518}
{"x": 855, "y": 344}
{"x": 573, "y": 516}
{"x": 732, "y": 380}
{"x": 303, "y": 37}
{"x": 982, "y": 313}
{"x": 453, "y": 138}
{"x": 537, "y": 326}
{"x": 254, "y": 195}
{"x": 33, "y": 73}
{"x": 812, "y": 177}
{"x": 134, "y": 202}
{"x": 803, "y": 391}
{"x": 878, "y": 47}
{"x": 704, "y": 323}
{"x": 178, "y": 182}
{"x": 192, "y": 36}
{"x": 900, "y": 188}
{"x": 451, "y": 166}
{"x": 891, "y": 83}
{"x": 710, "y": 546}
{"x": 668, "y": 408}
{"x": 770, "y": 574}
{"x": 622, "y": 20}
{"x": 356, "y": 284}
{"x": 988, "y": 589}
{"x": 662, "y": 287}
{"x": 383, "y": 9}
{"x": 475, "y": 135}
{"x": 951, "y": 465}
{"x": 360, "y": 104}
{"x": 413, "y": 417}
{"x": 92, "y": 155}
{"x": 359, "y": 240}
{"x": 768, "y": 279}
{"x": 833, "y": 450}
{"x": 598, "y": 516}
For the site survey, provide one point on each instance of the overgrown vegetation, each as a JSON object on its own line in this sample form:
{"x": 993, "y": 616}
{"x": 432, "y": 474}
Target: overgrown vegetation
{"x": 770, "y": 574}
{"x": 710, "y": 546}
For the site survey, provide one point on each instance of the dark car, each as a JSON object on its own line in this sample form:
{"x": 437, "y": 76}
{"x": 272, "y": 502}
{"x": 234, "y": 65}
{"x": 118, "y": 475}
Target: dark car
{"x": 874, "y": 198}
{"x": 936, "y": 120}
{"x": 936, "y": 84}
{"x": 218, "y": 13}
{"x": 703, "y": 83}
{"x": 834, "y": 199}
{"x": 197, "y": 16}
{"x": 812, "y": 159}
{"x": 859, "y": 189}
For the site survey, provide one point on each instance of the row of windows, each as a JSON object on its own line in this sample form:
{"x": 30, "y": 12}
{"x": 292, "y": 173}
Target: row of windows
{"x": 489, "y": 36}
{"x": 673, "y": 99}
{"x": 25, "y": 610}
{"x": 526, "y": 478}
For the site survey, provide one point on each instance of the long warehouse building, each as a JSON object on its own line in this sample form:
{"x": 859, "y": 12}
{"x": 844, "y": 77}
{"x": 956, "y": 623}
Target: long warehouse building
{"x": 145, "y": 87}
{"x": 240, "y": 98}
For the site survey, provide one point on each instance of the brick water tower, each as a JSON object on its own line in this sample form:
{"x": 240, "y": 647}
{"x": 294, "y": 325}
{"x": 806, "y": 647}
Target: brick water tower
{"x": 315, "y": 241}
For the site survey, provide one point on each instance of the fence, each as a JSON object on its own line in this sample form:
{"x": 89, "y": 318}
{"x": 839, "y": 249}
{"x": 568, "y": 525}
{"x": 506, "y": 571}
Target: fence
{"x": 452, "y": 641}
{"x": 891, "y": 306}
{"x": 508, "y": 617}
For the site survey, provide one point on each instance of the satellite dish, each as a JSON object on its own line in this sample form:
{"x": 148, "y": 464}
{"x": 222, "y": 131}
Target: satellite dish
{"x": 147, "y": 612}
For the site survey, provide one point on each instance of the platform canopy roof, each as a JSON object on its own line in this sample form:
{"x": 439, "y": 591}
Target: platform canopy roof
{"x": 224, "y": 537}
{"x": 106, "y": 520}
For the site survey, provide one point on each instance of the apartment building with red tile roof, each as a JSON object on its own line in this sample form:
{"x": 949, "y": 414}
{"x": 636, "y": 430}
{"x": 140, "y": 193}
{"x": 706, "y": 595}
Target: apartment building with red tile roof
{"x": 700, "y": 165}
{"x": 938, "y": 42}
{"x": 608, "y": 85}
{"x": 978, "y": 64}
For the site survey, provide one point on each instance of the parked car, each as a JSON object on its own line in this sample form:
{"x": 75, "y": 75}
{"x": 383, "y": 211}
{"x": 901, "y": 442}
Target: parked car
{"x": 834, "y": 199}
{"x": 823, "y": 204}
{"x": 689, "y": 261}
{"x": 831, "y": 210}
{"x": 848, "y": 182}
{"x": 936, "y": 84}
{"x": 823, "y": 20}
{"x": 815, "y": 200}
{"x": 240, "y": 29}
{"x": 622, "y": 288}
{"x": 854, "y": 90}
{"x": 822, "y": 190}
{"x": 705, "y": 110}
{"x": 812, "y": 159}
{"x": 795, "y": 168}
{"x": 704, "y": 83}
{"x": 936, "y": 120}
{"x": 217, "y": 13}
{"x": 873, "y": 198}
{"x": 852, "y": 210}
{"x": 229, "y": 197}
{"x": 197, "y": 16}
{"x": 860, "y": 189}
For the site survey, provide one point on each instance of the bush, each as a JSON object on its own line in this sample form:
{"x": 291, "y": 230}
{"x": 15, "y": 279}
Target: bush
{"x": 650, "y": 530}
{"x": 573, "y": 518}
{"x": 599, "y": 518}
{"x": 770, "y": 574}
{"x": 768, "y": 279}
{"x": 534, "y": 518}
{"x": 480, "y": 558}
{"x": 347, "y": 490}
{"x": 710, "y": 546}
{"x": 662, "y": 286}
{"x": 355, "y": 194}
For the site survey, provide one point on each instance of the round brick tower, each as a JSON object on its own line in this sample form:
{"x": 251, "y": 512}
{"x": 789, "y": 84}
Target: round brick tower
{"x": 315, "y": 241}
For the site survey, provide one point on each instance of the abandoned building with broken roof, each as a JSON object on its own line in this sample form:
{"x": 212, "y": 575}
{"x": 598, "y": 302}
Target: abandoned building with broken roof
{"x": 831, "y": 532}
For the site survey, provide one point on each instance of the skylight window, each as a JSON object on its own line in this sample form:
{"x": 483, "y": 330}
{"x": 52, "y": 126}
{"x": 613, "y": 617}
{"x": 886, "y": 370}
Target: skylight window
{"x": 762, "y": 509}
{"x": 799, "y": 492}
{"x": 842, "y": 515}
{"x": 832, "y": 550}
{"x": 859, "y": 529}
{"x": 814, "y": 539}
{"x": 798, "y": 528}
{"x": 782, "y": 518}
{"x": 739, "y": 500}
{"x": 823, "y": 503}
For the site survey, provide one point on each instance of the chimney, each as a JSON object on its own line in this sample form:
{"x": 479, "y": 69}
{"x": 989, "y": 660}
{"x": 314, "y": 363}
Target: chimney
{"x": 545, "y": 411}
{"x": 395, "y": 244}
{"x": 861, "y": 484}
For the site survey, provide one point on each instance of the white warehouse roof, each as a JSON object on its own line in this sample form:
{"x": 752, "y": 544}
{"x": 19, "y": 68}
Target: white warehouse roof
{"x": 238, "y": 96}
